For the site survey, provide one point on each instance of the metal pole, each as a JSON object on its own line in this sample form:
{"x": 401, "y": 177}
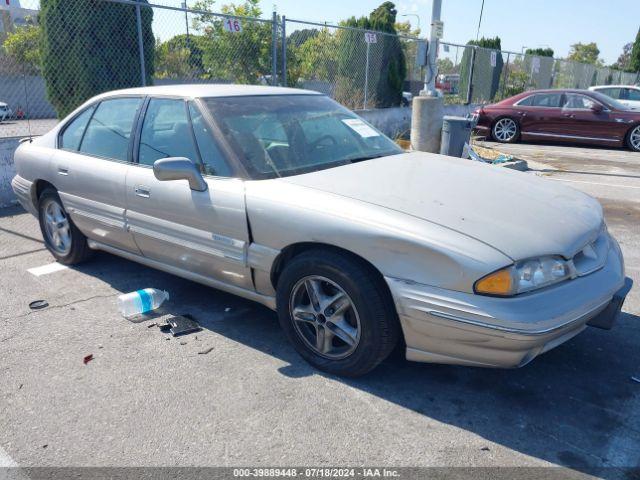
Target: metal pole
{"x": 274, "y": 49}
{"x": 186, "y": 22}
{"x": 143, "y": 71}
{"x": 480, "y": 20}
{"x": 505, "y": 78}
{"x": 470, "y": 82}
{"x": 430, "y": 76}
{"x": 366, "y": 78}
{"x": 284, "y": 51}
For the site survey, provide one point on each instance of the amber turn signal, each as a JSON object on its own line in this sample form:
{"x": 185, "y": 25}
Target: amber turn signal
{"x": 496, "y": 283}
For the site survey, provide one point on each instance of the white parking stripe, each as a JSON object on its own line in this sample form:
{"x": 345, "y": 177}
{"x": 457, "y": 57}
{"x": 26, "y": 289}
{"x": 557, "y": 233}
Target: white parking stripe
{"x": 5, "y": 460}
{"x": 593, "y": 183}
{"x": 46, "y": 269}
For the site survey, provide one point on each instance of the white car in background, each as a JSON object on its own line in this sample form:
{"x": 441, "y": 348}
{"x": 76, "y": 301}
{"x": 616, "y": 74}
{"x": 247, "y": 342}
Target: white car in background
{"x": 5, "y": 111}
{"x": 628, "y": 95}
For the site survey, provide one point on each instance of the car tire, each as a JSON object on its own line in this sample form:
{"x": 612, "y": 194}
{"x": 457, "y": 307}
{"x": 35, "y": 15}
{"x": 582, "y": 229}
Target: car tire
{"x": 633, "y": 139}
{"x": 366, "y": 327}
{"x": 61, "y": 237}
{"x": 505, "y": 130}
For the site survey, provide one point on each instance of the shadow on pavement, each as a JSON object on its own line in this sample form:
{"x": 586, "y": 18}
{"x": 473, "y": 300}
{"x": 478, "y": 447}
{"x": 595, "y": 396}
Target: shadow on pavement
{"x": 565, "y": 407}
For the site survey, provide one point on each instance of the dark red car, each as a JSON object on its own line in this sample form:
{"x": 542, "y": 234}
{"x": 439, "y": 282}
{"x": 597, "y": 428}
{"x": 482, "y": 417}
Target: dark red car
{"x": 561, "y": 116}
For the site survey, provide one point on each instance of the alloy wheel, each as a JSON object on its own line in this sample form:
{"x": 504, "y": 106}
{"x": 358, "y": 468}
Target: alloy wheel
{"x": 505, "y": 129}
{"x": 634, "y": 138}
{"x": 57, "y": 228}
{"x": 325, "y": 317}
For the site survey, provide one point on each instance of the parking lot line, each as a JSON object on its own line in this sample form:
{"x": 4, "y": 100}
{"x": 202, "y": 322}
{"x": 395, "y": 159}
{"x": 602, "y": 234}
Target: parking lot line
{"x": 5, "y": 460}
{"x": 46, "y": 269}
{"x": 593, "y": 183}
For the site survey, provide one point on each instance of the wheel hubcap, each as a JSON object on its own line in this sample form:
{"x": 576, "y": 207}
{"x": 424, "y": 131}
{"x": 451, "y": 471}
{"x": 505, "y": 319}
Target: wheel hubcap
{"x": 505, "y": 129}
{"x": 325, "y": 317}
{"x": 56, "y": 226}
{"x": 635, "y": 138}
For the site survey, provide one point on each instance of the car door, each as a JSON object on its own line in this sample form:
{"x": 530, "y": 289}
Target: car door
{"x": 539, "y": 114}
{"x": 201, "y": 232}
{"x": 90, "y": 168}
{"x": 587, "y": 119}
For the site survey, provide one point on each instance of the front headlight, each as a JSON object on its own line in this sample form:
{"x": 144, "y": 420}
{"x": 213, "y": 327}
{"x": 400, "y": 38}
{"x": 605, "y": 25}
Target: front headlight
{"x": 525, "y": 276}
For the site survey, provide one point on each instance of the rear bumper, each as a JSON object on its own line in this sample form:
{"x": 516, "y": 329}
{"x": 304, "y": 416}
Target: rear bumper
{"x": 444, "y": 326}
{"x": 22, "y": 189}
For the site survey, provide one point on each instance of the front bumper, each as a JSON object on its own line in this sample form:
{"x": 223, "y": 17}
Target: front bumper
{"x": 445, "y": 326}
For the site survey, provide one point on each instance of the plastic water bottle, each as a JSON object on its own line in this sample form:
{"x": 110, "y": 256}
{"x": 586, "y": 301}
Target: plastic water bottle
{"x": 141, "y": 301}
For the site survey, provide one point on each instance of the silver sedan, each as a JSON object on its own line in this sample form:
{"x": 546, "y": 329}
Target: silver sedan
{"x": 286, "y": 198}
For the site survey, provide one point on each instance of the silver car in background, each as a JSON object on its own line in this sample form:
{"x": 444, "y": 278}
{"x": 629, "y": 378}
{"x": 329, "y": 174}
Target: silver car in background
{"x": 5, "y": 112}
{"x": 286, "y": 198}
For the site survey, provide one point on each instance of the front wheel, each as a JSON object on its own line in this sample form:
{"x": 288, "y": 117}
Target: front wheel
{"x": 505, "y": 130}
{"x": 61, "y": 237}
{"x": 337, "y": 312}
{"x": 633, "y": 139}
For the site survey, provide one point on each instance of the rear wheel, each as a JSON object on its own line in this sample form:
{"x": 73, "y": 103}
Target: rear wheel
{"x": 633, "y": 139}
{"x": 336, "y": 312}
{"x": 61, "y": 237}
{"x": 505, "y": 130}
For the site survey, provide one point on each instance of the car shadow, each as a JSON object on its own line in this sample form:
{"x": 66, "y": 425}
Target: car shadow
{"x": 567, "y": 407}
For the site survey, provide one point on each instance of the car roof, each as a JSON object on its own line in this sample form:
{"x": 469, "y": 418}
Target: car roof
{"x": 210, "y": 90}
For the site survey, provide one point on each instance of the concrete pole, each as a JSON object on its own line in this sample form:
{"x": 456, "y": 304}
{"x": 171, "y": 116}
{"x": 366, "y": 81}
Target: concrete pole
{"x": 428, "y": 107}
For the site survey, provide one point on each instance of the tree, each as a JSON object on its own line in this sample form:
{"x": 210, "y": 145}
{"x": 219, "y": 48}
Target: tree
{"x": 634, "y": 64}
{"x": 243, "y": 56}
{"x": 23, "y": 46}
{"x": 585, "y": 53}
{"x": 486, "y": 78}
{"x": 180, "y": 57}
{"x": 622, "y": 63}
{"x": 540, "y": 52}
{"x": 298, "y": 37}
{"x": 89, "y": 47}
{"x": 445, "y": 65}
{"x": 387, "y": 63}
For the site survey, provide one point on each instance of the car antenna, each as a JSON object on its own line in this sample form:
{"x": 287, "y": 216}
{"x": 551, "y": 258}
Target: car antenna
{"x": 26, "y": 103}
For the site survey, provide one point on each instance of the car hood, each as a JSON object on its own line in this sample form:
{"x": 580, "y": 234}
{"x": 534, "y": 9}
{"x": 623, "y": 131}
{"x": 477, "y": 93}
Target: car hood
{"x": 519, "y": 214}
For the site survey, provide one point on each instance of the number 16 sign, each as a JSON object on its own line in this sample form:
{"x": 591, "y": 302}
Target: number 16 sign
{"x": 232, "y": 25}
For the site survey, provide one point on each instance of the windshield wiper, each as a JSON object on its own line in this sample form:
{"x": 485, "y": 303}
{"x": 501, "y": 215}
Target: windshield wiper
{"x": 367, "y": 157}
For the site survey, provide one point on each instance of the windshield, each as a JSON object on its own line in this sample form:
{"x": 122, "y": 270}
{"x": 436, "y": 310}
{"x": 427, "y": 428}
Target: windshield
{"x": 610, "y": 102}
{"x": 282, "y": 135}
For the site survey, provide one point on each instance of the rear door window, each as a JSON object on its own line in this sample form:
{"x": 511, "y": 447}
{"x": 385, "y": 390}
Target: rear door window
{"x": 549, "y": 100}
{"x": 109, "y": 130}
{"x": 72, "y": 134}
{"x": 616, "y": 93}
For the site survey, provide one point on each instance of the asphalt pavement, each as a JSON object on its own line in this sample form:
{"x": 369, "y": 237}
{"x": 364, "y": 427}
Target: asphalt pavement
{"x": 237, "y": 394}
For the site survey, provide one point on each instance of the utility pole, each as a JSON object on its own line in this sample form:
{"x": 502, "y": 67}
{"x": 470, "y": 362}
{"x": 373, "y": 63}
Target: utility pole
{"x": 432, "y": 70}
{"x": 428, "y": 107}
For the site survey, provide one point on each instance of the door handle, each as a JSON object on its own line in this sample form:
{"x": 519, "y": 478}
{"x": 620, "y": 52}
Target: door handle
{"x": 63, "y": 171}
{"x": 142, "y": 191}
{"x": 569, "y": 115}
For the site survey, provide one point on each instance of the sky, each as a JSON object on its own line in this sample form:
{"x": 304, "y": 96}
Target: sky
{"x": 529, "y": 23}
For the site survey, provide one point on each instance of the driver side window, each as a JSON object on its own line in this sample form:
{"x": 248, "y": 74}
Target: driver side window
{"x": 166, "y": 132}
{"x": 579, "y": 102}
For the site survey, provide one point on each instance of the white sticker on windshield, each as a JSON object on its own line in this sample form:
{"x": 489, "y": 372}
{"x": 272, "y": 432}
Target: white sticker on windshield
{"x": 361, "y": 128}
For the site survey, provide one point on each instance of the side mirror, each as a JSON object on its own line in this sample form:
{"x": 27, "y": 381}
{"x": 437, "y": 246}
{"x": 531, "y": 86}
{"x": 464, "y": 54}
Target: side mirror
{"x": 179, "y": 168}
{"x": 597, "y": 108}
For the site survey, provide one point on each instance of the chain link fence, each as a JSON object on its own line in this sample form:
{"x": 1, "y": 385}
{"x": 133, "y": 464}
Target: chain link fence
{"x": 359, "y": 68}
{"x": 469, "y": 74}
{"x": 55, "y": 56}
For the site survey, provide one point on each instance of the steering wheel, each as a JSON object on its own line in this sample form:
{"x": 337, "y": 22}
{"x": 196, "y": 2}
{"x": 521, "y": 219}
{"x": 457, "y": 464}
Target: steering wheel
{"x": 316, "y": 143}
